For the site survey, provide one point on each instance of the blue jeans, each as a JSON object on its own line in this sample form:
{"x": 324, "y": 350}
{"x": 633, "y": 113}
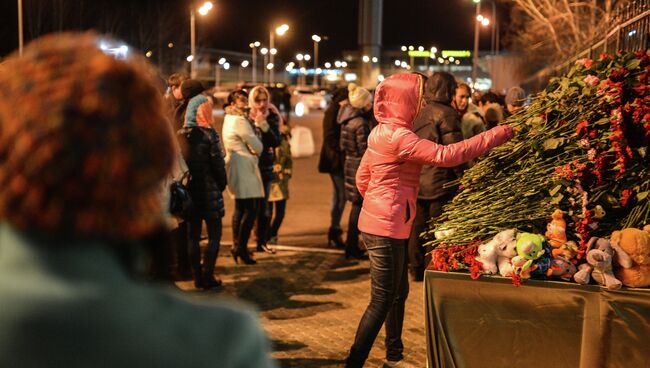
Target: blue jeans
{"x": 338, "y": 200}
{"x": 389, "y": 290}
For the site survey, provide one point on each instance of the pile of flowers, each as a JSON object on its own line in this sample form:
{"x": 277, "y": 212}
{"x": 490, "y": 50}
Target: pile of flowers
{"x": 581, "y": 146}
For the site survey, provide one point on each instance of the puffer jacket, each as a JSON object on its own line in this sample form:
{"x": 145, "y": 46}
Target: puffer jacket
{"x": 355, "y": 129}
{"x": 389, "y": 175}
{"x": 202, "y": 152}
{"x": 270, "y": 139}
{"x": 439, "y": 123}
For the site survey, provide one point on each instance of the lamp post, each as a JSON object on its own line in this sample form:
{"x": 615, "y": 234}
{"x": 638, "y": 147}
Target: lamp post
{"x": 316, "y": 39}
{"x": 203, "y": 10}
{"x": 280, "y": 31}
{"x": 244, "y": 65}
{"x": 254, "y": 46}
{"x": 475, "y": 56}
{"x": 264, "y": 51}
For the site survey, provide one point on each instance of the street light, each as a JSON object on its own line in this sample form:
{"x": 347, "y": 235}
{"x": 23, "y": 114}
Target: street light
{"x": 365, "y": 58}
{"x": 221, "y": 63}
{"x": 264, "y": 51}
{"x": 280, "y": 31}
{"x": 475, "y": 56}
{"x": 205, "y": 8}
{"x": 244, "y": 64}
{"x": 316, "y": 39}
{"x": 254, "y": 46}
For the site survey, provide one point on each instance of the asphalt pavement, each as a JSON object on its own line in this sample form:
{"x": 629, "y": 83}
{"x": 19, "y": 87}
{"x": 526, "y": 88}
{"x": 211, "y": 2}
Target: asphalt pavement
{"x": 310, "y": 298}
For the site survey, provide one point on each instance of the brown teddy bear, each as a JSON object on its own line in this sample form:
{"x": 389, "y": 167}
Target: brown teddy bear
{"x": 636, "y": 244}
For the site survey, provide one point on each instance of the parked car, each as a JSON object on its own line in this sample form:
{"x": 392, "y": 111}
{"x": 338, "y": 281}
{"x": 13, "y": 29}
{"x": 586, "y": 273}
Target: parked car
{"x": 305, "y": 99}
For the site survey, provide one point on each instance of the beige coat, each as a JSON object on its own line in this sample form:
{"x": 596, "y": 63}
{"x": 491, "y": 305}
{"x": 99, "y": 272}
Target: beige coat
{"x": 242, "y": 148}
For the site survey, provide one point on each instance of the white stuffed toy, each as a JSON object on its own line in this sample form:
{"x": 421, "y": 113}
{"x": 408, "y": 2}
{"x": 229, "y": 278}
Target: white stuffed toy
{"x": 496, "y": 254}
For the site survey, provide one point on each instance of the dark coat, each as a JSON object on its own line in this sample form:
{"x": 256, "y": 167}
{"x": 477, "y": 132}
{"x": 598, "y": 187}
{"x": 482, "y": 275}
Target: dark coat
{"x": 355, "y": 129}
{"x": 331, "y": 157}
{"x": 201, "y": 149}
{"x": 270, "y": 139}
{"x": 440, "y": 123}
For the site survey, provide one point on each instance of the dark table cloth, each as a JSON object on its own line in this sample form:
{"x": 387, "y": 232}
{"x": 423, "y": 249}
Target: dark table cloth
{"x": 491, "y": 323}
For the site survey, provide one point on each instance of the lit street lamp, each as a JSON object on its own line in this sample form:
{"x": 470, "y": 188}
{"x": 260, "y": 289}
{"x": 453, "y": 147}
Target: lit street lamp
{"x": 475, "y": 56}
{"x": 254, "y": 46}
{"x": 203, "y": 10}
{"x": 316, "y": 39}
{"x": 244, "y": 65}
{"x": 217, "y": 70}
{"x": 280, "y": 31}
{"x": 264, "y": 51}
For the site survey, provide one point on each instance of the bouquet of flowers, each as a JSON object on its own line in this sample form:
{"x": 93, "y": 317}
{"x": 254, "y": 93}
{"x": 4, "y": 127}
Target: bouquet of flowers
{"x": 581, "y": 146}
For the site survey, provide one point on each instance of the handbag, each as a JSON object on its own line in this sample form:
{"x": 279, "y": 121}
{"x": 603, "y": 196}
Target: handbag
{"x": 180, "y": 202}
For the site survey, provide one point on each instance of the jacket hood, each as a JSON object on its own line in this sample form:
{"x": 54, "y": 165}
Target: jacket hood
{"x": 398, "y": 99}
{"x": 347, "y": 113}
{"x": 440, "y": 87}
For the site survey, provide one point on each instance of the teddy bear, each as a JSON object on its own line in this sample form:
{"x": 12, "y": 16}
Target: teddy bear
{"x": 556, "y": 229}
{"x": 530, "y": 247}
{"x": 561, "y": 268}
{"x": 600, "y": 254}
{"x": 495, "y": 255}
{"x": 634, "y": 248}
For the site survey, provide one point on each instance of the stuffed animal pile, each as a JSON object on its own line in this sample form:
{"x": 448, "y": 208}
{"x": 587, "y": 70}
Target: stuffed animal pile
{"x": 622, "y": 260}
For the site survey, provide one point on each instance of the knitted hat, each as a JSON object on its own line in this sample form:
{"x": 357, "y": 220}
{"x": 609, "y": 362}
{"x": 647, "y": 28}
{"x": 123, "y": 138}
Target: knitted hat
{"x": 199, "y": 112}
{"x": 515, "y": 96}
{"x": 358, "y": 96}
{"x": 84, "y": 142}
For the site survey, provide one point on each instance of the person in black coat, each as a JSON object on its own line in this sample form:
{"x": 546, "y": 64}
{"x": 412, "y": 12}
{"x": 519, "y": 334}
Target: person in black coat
{"x": 201, "y": 149}
{"x": 439, "y": 122}
{"x": 355, "y": 129}
{"x": 331, "y": 162}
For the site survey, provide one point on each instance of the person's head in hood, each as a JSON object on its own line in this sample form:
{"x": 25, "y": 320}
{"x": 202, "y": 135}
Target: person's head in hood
{"x": 440, "y": 87}
{"x": 515, "y": 99}
{"x": 461, "y": 97}
{"x": 191, "y": 88}
{"x": 359, "y": 97}
{"x": 399, "y": 98}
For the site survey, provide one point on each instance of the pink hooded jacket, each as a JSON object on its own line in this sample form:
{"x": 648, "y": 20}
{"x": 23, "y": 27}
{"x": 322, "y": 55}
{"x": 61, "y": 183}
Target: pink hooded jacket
{"x": 389, "y": 175}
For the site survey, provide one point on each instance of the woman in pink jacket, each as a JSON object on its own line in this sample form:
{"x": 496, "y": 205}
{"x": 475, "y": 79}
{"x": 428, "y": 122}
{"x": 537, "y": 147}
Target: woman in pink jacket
{"x": 388, "y": 179}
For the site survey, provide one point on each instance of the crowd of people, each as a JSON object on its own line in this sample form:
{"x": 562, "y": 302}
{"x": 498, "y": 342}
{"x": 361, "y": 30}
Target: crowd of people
{"x": 91, "y": 150}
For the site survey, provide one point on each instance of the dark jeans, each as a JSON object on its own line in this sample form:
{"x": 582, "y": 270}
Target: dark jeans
{"x": 280, "y": 208}
{"x": 338, "y": 200}
{"x": 389, "y": 290}
{"x": 426, "y": 210}
{"x": 194, "y": 237}
{"x": 352, "y": 242}
{"x": 180, "y": 259}
{"x": 263, "y": 215}
{"x": 243, "y": 220}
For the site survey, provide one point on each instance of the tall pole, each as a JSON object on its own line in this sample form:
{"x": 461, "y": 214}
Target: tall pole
{"x": 315, "y": 83}
{"x": 217, "y": 75}
{"x": 266, "y": 70}
{"x": 475, "y": 56}
{"x": 271, "y": 58}
{"x": 254, "y": 60}
{"x": 494, "y": 25}
{"x": 20, "y": 27}
{"x": 193, "y": 43}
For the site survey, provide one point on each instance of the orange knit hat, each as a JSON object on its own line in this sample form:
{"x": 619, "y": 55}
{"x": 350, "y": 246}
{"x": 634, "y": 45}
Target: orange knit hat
{"x": 84, "y": 142}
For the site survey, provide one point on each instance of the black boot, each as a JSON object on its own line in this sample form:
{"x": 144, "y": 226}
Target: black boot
{"x": 334, "y": 238}
{"x": 209, "y": 262}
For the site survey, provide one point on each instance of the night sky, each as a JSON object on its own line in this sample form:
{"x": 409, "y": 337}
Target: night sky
{"x": 233, "y": 24}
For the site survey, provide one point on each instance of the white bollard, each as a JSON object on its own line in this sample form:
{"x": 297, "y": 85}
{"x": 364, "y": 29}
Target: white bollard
{"x": 302, "y": 142}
